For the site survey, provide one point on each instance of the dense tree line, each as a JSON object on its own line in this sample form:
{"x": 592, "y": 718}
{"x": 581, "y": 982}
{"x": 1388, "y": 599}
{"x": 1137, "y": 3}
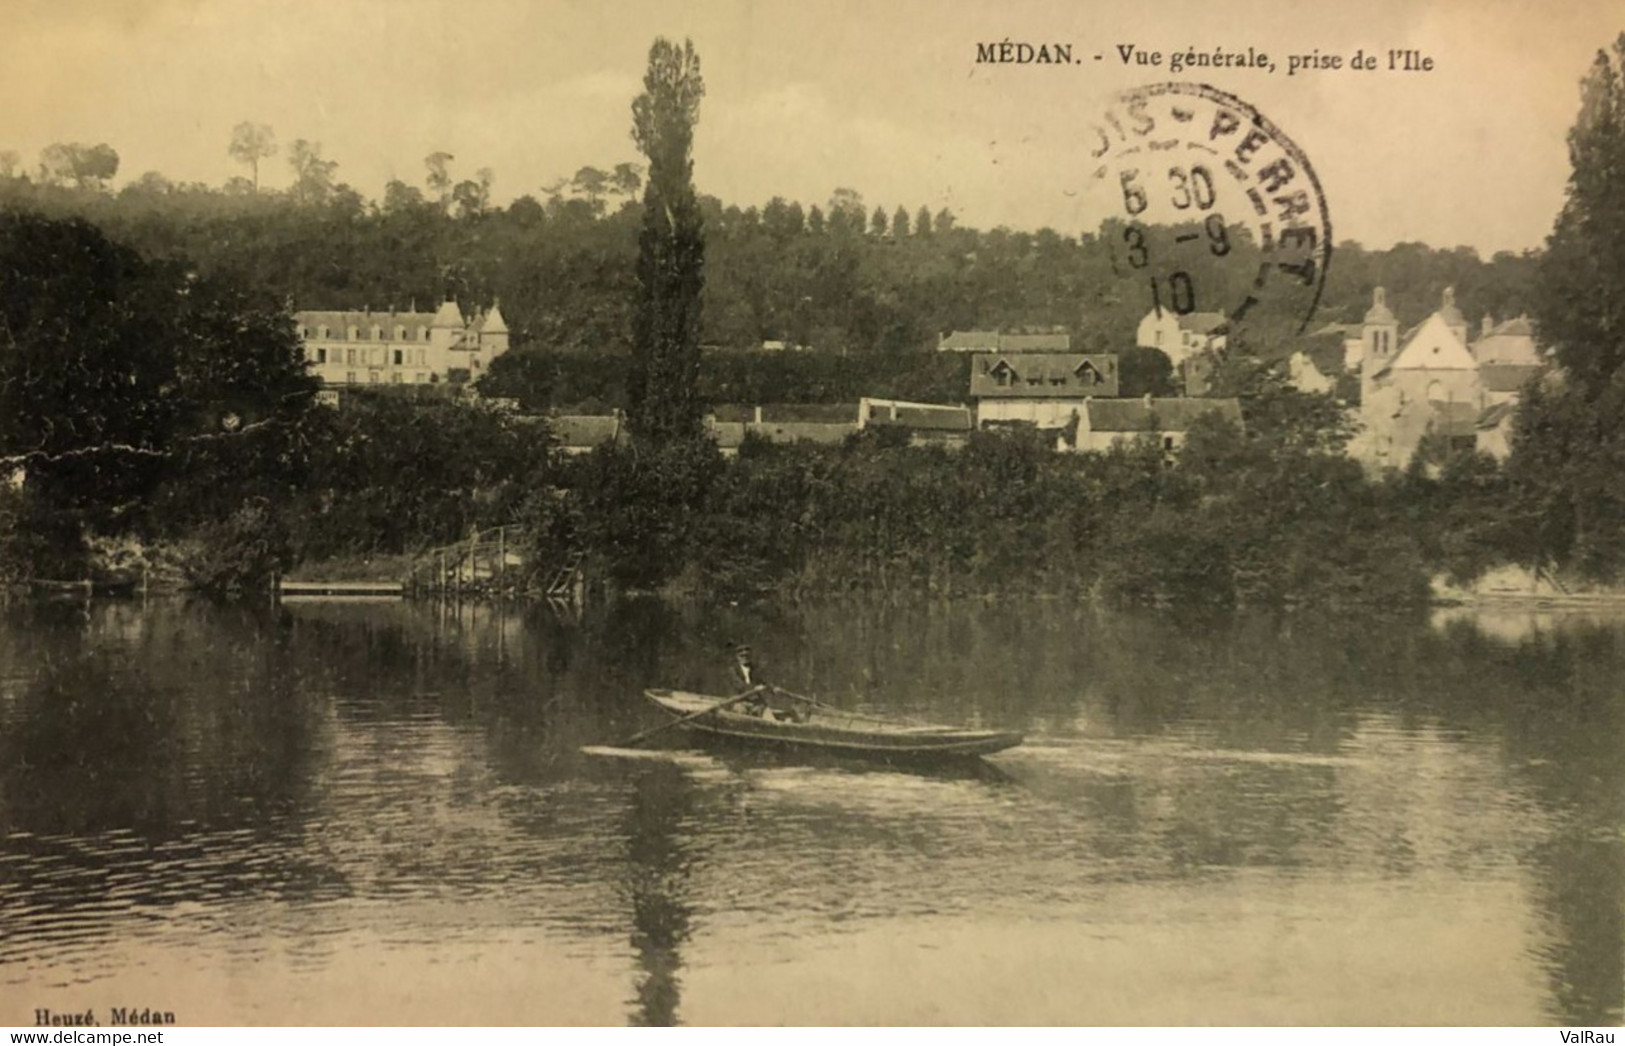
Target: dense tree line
{"x": 1281, "y": 517}
{"x": 144, "y": 400}
{"x": 840, "y": 276}
{"x": 145, "y": 391}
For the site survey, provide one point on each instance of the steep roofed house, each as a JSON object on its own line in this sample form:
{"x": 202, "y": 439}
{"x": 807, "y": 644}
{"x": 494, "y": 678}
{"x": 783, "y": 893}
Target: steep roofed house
{"x": 1044, "y": 389}
{"x": 401, "y": 348}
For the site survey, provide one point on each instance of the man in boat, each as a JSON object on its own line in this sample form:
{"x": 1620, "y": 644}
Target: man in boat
{"x": 769, "y": 701}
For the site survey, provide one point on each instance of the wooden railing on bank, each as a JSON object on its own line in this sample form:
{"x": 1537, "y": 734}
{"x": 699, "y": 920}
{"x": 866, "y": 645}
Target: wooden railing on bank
{"x": 488, "y": 562}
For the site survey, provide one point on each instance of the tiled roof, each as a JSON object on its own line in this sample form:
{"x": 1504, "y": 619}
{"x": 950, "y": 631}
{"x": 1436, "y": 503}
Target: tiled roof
{"x": 1203, "y": 322}
{"x": 1044, "y": 375}
{"x": 1455, "y": 419}
{"x": 779, "y": 413}
{"x": 339, "y": 322}
{"x": 940, "y": 419}
{"x": 1327, "y": 356}
{"x": 449, "y": 316}
{"x": 1164, "y": 415}
{"x": 1493, "y": 415}
{"x": 492, "y": 322}
{"x": 994, "y": 341}
{"x": 1521, "y": 326}
{"x": 803, "y": 431}
{"x": 1507, "y": 377}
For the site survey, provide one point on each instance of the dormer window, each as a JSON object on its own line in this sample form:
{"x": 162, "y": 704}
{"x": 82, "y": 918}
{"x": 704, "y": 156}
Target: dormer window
{"x": 400, "y": 333}
{"x": 423, "y": 334}
{"x": 355, "y": 333}
{"x": 1087, "y": 374}
{"x": 322, "y": 331}
{"x": 377, "y": 332}
{"x": 1003, "y": 374}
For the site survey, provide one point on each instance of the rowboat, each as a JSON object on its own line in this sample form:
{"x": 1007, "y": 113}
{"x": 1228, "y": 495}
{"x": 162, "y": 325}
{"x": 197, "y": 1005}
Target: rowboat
{"x": 830, "y": 730}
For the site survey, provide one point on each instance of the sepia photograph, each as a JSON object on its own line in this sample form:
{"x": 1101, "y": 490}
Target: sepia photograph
{"x": 737, "y": 513}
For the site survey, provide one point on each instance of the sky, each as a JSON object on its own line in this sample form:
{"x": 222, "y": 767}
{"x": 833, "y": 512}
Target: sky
{"x": 805, "y": 97}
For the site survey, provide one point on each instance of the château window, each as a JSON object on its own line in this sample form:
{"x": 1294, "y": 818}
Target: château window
{"x": 321, "y": 355}
{"x": 399, "y": 356}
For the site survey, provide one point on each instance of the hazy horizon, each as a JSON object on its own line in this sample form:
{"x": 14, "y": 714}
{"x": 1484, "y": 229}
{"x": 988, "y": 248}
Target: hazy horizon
{"x": 801, "y": 101}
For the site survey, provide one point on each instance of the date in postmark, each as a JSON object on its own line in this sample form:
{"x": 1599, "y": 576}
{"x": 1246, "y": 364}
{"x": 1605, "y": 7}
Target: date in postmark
{"x": 1213, "y": 208}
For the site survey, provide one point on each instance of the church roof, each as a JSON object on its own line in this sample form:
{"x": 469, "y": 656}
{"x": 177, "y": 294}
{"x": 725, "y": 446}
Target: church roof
{"x": 1448, "y": 311}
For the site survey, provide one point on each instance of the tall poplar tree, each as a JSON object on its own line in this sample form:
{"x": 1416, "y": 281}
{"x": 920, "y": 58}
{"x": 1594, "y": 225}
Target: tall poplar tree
{"x": 663, "y": 402}
{"x": 1568, "y": 455}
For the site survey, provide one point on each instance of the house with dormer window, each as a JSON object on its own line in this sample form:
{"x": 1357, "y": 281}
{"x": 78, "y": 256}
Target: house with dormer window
{"x": 401, "y": 348}
{"x": 1044, "y": 389}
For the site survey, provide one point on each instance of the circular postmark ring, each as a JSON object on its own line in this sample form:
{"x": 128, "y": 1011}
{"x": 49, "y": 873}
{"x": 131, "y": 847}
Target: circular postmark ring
{"x": 1236, "y": 202}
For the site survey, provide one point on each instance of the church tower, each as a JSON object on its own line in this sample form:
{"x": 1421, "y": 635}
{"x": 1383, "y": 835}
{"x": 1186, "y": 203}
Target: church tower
{"x": 1380, "y": 334}
{"x": 1452, "y": 316}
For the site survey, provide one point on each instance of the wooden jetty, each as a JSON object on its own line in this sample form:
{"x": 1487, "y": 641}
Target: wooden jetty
{"x": 286, "y": 589}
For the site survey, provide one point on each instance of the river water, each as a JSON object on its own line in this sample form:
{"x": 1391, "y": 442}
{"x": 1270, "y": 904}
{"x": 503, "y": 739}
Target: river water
{"x": 382, "y": 814}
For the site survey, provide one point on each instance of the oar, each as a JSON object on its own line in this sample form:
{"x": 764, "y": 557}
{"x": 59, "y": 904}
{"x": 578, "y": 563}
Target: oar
{"x": 724, "y": 703}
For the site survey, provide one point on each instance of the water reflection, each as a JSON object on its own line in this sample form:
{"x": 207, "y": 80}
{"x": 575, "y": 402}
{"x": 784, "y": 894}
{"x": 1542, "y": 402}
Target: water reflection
{"x": 1338, "y": 820}
{"x": 656, "y": 879}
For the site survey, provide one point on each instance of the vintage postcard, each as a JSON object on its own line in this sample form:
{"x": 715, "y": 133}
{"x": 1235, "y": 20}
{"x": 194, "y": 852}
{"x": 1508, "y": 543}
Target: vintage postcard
{"x": 739, "y": 512}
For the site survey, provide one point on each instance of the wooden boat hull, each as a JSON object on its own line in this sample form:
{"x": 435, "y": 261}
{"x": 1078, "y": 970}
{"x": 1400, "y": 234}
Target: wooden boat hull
{"x": 834, "y": 731}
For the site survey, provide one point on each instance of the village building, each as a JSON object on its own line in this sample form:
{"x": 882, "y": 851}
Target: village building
{"x": 996, "y": 341}
{"x": 1044, "y": 389}
{"x": 1182, "y": 337}
{"x": 1432, "y": 380}
{"x": 927, "y": 424}
{"x": 1102, "y": 424}
{"x": 825, "y": 424}
{"x": 349, "y": 348}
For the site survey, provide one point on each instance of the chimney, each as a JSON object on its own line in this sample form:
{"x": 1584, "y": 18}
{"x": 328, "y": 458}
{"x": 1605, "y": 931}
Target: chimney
{"x": 1489, "y": 325}
{"x": 757, "y": 414}
{"x": 1148, "y": 401}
